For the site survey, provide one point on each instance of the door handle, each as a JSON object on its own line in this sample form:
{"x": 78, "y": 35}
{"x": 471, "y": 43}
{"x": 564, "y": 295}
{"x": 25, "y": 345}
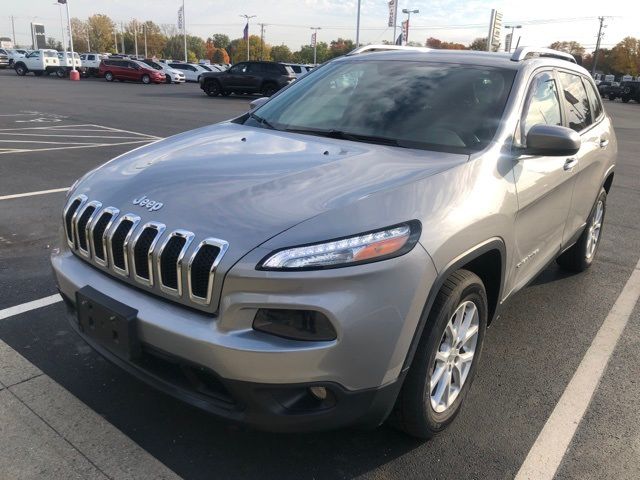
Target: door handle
{"x": 603, "y": 143}
{"x": 570, "y": 163}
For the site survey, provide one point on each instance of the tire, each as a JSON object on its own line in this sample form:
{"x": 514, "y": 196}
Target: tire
{"x": 269, "y": 89}
{"x": 581, "y": 255}
{"x": 417, "y": 411}
{"x": 212, "y": 88}
{"x": 146, "y": 79}
{"x": 612, "y": 97}
{"x": 108, "y": 76}
{"x": 21, "y": 70}
{"x": 167, "y": 79}
{"x": 60, "y": 73}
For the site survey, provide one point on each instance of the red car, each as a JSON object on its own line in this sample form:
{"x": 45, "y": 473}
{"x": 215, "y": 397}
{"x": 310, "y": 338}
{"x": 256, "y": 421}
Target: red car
{"x": 125, "y": 69}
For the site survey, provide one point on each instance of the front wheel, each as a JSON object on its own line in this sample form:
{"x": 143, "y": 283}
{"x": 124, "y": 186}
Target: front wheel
{"x": 21, "y": 70}
{"x": 146, "y": 79}
{"x": 581, "y": 255}
{"x": 612, "y": 97}
{"x": 446, "y": 359}
{"x": 108, "y": 77}
{"x": 167, "y": 78}
{"x": 212, "y": 88}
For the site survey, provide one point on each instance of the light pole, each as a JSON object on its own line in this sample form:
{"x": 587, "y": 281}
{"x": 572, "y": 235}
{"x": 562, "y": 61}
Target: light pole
{"x": 88, "y": 41}
{"x": 512, "y": 27}
{"x": 135, "y": 36}
{"x": 144, "y": 29}
{"x": 73, "y": 75}
{"x": 247, "y": 17}
{"x": 64, "y": 44}
{"x": 409, "y": 12}
{"x": 315, "y": 44}
{"x": 358, "y": 26}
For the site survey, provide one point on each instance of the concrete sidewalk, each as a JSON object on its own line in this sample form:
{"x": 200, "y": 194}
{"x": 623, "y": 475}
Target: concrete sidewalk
{"x": 46, "y": 432}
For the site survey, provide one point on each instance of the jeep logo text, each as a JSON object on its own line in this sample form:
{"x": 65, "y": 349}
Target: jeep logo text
{"x": 149, "y": 204}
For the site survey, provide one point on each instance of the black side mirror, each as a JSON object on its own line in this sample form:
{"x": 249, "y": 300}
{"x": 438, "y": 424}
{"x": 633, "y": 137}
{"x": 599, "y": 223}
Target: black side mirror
{"x": 552, "y": 141}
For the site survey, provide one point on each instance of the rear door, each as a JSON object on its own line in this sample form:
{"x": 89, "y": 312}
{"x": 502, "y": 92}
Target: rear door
{"x": 544, "y": 185}
{"x": 585, "y": 115}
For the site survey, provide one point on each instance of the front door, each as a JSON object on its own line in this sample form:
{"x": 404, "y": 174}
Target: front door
{"x": 544, "y": 186}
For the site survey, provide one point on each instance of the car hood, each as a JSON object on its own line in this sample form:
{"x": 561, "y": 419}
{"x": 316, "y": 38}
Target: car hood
{"x": 247, "y": 184}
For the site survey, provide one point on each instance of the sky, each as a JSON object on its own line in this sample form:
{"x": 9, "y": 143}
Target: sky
{"x": 289, "y": 21}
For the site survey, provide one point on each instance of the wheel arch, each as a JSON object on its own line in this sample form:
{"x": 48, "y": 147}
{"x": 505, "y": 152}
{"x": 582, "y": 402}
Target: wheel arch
{"x": 487, "y": 260}
{"x": 608, "y": 181}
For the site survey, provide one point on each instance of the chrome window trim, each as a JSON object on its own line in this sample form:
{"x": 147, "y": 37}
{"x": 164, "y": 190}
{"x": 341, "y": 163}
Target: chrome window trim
{"x": 83, "y": 199}
{"x": 188, "y": 236}
{"x": 223, "y": 246}
{"x": 114, "y": 216}
{"x": 97, "y": 206}
{"x": 159, "y": 228}
{"x": 134, "y": 219}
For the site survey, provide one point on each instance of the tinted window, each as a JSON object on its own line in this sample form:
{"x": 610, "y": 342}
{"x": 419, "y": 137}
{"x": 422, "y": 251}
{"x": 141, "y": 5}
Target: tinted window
{"x": 543, "y": 103}
{"x": 272, "y": 68}
{"x": 176, "y": 66}
{"x": 596, "y": 104}
{"x": 91, "y": 57}
{"x": 255, "y": 68}
{"x": 576, "y": 102}
{"x": 404, "y": 103}
{"x": 240, "y": 68}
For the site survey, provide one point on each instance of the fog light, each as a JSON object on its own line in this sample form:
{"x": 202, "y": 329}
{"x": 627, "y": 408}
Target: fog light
{"x": 319, "y": 392}
{"x": 304, "y": 325}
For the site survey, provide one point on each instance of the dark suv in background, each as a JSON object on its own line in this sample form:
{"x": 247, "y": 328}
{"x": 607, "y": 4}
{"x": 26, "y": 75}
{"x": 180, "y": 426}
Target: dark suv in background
{"x": 248, "y": 77}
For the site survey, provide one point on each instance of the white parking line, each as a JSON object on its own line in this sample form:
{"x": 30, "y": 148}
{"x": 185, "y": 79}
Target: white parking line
{"x": 32, "y": 194}
{"x": 553, "y": 441}
{"x": 26, "y": 307}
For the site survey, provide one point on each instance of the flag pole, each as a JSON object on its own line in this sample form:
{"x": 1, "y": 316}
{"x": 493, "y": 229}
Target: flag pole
{"x": 184, "y": 32}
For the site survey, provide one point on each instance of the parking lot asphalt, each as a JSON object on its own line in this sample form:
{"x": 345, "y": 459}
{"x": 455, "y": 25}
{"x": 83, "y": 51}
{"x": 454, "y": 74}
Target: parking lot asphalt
{"x": 531, "y": 352}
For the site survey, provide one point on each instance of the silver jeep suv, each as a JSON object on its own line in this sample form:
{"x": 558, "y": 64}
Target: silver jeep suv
{"x": 334, "y": 256}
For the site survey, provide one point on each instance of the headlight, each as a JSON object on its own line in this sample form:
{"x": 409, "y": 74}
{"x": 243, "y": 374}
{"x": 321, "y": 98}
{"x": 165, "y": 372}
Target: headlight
{"x": 364, "y": 248}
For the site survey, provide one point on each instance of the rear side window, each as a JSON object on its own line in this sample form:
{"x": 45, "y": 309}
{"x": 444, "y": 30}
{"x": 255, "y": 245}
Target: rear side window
{"x": 256, "y": 68}
{"x": 543, "y": 104}
{"x": 272, "y": 69}
{"x": 596, "y": 104}
{"x": 576, "y": 102}
{"x": 91, "y": 57}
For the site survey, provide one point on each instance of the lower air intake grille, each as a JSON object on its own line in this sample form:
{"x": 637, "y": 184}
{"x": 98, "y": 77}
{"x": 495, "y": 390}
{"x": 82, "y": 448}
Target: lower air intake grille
{"x": 117, "y": 243}
{"x": 201, "y": 270}
{"x": 98, "y": 232}
{"x": 82, "y": 225}
{"x": 69, "y": 217}
{"x": 141, "y": 251}
{"x": 169, "y": 261}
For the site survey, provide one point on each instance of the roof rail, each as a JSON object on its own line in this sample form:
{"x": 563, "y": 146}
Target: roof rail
{"x": 382, "y": 48}
{"x": 522, "y": 53}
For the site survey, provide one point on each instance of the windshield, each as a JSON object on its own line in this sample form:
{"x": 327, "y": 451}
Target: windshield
{"x": 404, "y": 103}
{"x": 140, "y": 64}
{"x": 152, "y": 64}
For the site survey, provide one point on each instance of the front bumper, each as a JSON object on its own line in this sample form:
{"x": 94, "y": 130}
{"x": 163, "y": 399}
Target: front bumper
{"x": 265, "y": 379}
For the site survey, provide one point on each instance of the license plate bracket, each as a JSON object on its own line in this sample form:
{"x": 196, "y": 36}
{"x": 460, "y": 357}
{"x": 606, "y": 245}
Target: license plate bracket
{"x": 108, "y": 322}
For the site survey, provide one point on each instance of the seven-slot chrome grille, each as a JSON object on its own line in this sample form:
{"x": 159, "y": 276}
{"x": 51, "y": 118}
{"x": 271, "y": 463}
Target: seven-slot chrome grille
{"x": 147, "y": 253}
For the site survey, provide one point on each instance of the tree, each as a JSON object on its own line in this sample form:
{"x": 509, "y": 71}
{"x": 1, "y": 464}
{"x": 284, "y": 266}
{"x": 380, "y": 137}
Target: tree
{"x": 220, "y": 40}
{"x": 340, "y": 46}
{"x": 174, "y": 48}
{"x": 281, "y": 53}
{"x": 238, "y": 49}
{"x": 100, "y": 30}
{"x": 625, "y": 56}
{"x": 156, "y": 40}
{"x": 439, "y": 44}
{"x": 479, "y": 44}
{"x": 54, "y": 44}
{"x": 220, "y": 55}
{"x": 197, "y": 46}
{"x": 434, "y": 42}
{"x": 79, "y": 30}
{"x": 572, "y": 47}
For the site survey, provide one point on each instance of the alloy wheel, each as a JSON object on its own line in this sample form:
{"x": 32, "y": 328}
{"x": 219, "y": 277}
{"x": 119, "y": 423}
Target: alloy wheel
{"x": 454, "y": 357}
{"x": 594, "y": 230}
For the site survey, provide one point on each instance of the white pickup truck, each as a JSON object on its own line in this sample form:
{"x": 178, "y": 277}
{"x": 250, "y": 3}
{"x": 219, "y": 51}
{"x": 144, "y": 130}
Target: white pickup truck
{"x": 91, "y": 62}
{"x": 39, "y": 62}
{"x": 66, "y": 65}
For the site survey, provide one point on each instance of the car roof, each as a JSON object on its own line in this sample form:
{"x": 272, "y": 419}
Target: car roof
{"x": 470, "y": 57}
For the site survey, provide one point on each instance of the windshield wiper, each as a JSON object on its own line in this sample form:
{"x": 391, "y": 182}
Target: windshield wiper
{"x": 342, "y": 135}
{"x": 262, "y": 121}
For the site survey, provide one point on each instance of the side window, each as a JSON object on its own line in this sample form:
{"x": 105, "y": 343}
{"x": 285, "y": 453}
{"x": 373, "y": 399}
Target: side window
{"x": 543, "y": 104}
{"x": 594, "y": 97}
{"x": 240, "y": 68}
{"x": 576, "y": 101}
{"x": 255, "y": 68}
{"x": 91, "y": 57}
